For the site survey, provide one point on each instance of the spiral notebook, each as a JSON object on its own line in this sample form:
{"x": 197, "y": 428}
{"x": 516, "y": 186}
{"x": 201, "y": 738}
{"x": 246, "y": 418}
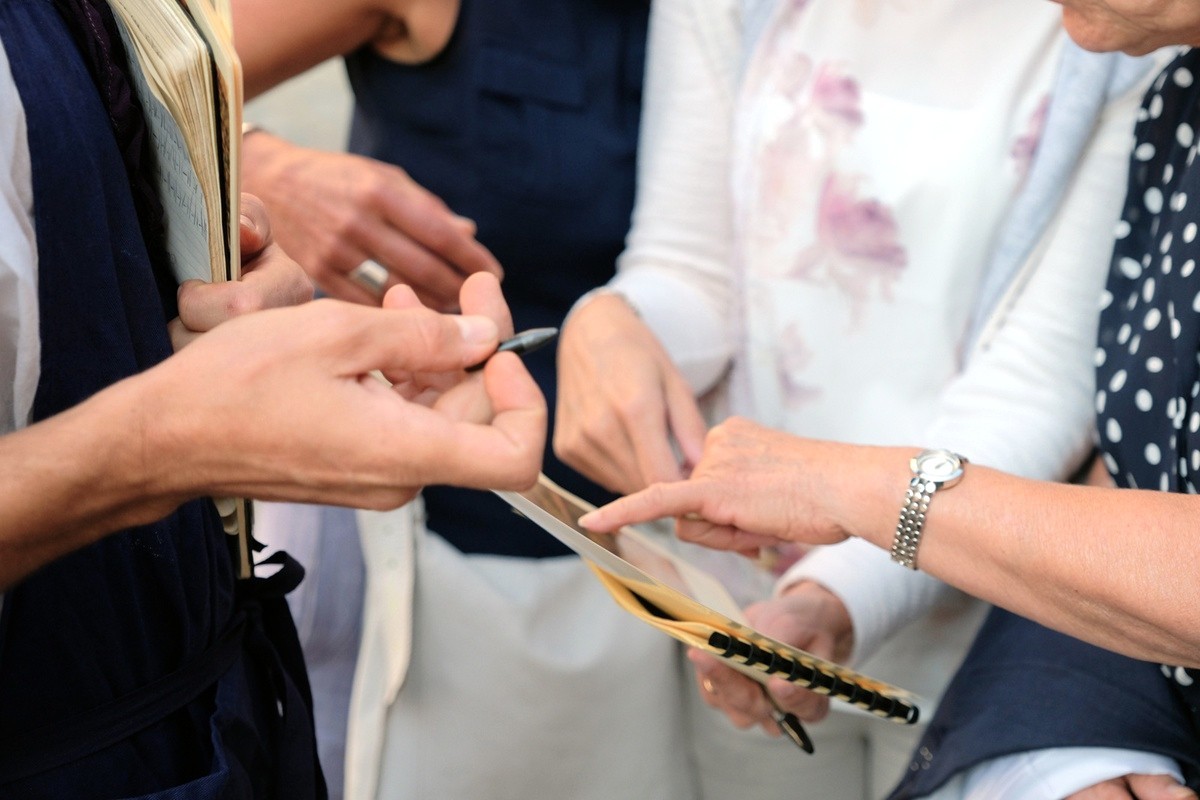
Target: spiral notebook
{"x": 691, "y": 605}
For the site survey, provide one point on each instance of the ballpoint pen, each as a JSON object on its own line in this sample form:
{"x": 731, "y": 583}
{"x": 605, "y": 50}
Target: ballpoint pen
{"x": 521, "y": 343}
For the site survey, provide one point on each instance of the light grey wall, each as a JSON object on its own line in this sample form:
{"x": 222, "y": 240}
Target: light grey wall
{"x": 312, "y": 109}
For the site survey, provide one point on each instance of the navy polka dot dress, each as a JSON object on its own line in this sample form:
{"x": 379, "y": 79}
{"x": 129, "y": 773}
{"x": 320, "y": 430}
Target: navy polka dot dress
{"x": 1148, "y": 353}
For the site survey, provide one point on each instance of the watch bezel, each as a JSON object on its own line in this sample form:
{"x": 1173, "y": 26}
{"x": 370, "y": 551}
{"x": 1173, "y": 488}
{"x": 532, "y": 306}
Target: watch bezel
{"x": 938, "y": 466}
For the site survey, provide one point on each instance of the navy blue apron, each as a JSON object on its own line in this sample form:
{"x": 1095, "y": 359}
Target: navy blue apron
{"x": 134, "y": 667}
{"x": 527, "y": 123}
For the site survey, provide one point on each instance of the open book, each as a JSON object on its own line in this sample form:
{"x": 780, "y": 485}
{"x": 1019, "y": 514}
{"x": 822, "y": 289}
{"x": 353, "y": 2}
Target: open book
{"x": 189, "y": 80}
{"x": 683, "y": 601}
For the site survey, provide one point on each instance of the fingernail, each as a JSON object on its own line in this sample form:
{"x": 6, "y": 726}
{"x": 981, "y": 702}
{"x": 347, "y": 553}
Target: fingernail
{"x": 586, "y": 519}
{"x": 1183, "y": 793}
{"x": 477, "y": 330}
{"x": 248, "y": 222}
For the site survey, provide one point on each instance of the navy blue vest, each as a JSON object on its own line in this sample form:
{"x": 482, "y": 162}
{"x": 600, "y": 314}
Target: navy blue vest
{"x": 1025, "y": 687}
{"x": 527, "y": 123}
{"x": 123, "y": 666}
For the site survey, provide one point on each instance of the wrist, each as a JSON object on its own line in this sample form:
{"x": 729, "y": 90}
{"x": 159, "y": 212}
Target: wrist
{"x": 933, "y": 472}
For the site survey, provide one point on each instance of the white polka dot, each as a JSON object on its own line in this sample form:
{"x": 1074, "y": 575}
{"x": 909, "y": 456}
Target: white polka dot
{"x": 1123, "y": 333}
{"x": 1182, "y": 677}
{"x": 1166, "y": 265}
{"x": 1196, "y": 303}
{"x": 1153, "y": 317}
{"x": 1130, "y": 268}
{"x": 1110, "y": 463}
{"x": 1100, "y": 356}
{"x": 1176, "y": 328}
{"x": 1185, "y": 135}
{"x": 1153, "y": 454}
{"x": 1112, "y": 429}
{"x": 1106, "y": 299}
{"x": 1101, "y": 399}
{"x": 1188, "y": 267}
{"x": 1134, "y": 344}
{"x": 1154, "y": 364}
{"x": 1153, "y": 199}
{"x": 1179, "y": 201}
{"x": 1164, "y": 480}
{"x": 1143, "y": 115}
{"x": 1144, "y": 400}
{"x": 1171, "y": 406}
{"x": 1168, "y": 173}
{"x": 1132, "y": 301}
{"x": 1165, "y": 243}
{"x": 1156, "y": 106}
{"x": 1166, "y": 671}
{"x": 1122, "y": 229}
{"x": 1194, "y": 422}
{"x": 1144, "y": 151}
{"x": 1182, "y": 77}
{"x": 1189, "y": 232}
{"x": 1148, "y": 290}
{"x": 1195, "y": 459}
{"x": 1117, "y": 381}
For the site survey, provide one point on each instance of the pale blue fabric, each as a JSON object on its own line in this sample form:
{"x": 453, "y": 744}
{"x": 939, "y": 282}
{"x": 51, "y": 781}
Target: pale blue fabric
{"x": 1085, "y": 83}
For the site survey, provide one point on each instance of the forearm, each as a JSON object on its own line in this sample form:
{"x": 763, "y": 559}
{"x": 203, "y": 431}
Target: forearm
{"x": 1078, "y": 559}
{"x": 109, "y": 478}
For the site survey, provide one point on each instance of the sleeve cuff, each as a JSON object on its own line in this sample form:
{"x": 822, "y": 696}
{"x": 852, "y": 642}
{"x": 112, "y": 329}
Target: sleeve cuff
{"x": 880, "y": 596}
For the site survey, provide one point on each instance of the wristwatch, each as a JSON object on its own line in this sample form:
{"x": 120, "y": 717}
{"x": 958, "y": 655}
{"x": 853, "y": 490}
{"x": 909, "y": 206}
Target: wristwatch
{"x": 932, "y": 470}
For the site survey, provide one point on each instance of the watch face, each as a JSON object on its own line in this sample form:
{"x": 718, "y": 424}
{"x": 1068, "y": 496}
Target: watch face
{"x": 938, "y": 465}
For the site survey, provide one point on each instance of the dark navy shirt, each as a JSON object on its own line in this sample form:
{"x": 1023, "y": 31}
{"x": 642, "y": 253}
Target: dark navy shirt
{"x": 527, "y": 123}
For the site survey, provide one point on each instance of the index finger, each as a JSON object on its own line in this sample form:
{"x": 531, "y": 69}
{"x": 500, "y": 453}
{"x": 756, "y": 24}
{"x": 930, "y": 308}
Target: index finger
{"x": 658, "y": 500}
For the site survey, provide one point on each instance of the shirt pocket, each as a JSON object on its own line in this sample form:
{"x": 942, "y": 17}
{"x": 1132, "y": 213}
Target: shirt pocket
{"x": 535, "y": 129}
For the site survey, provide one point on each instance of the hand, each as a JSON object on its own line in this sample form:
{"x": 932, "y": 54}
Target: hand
{"x": 621, "y": 400}
{"x": 1140, "y": 787}
{"x": 269, "y": 280}
{"x": 280, "y": 405}
{"x": 755, "y": 487}
{"x": 333, "y": 211}
{"x": 808, "y": 616}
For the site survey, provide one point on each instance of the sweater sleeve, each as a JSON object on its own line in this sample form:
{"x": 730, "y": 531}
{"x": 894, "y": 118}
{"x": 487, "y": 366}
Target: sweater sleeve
{"x": 676, "y": 266}
{"x": 1023, "y": 404}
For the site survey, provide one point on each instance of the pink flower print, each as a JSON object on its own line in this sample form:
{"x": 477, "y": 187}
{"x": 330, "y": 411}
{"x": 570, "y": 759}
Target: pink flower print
{"x": 857, "y": 241}
{"x": 1025, "y": 148}
{"x": 859, "y": 231}
{"x": 794, "y": 357}
{"x": 836, "y": 101}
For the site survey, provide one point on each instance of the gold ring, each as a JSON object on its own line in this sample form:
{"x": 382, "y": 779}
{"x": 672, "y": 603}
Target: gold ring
{"x": 370, "y": 275}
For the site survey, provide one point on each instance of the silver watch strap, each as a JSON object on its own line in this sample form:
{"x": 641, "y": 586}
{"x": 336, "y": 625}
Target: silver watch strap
{"x": 912, "y": 522}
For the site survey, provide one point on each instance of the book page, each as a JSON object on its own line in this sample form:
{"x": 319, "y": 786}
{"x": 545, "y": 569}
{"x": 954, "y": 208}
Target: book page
{"x": 185, "y": 216}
